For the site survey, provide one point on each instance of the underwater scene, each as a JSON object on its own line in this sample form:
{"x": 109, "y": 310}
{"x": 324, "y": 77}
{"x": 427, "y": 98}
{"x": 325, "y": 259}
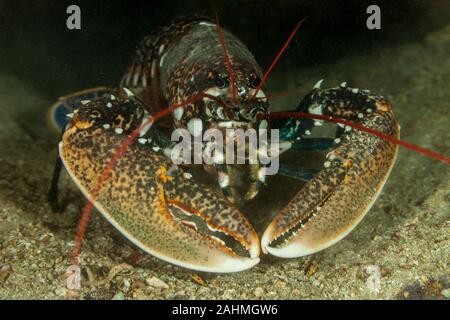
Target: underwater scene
{"x": 218, "y": 150}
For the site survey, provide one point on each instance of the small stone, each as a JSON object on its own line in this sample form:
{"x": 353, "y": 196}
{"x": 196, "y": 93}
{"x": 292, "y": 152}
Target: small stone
{"x": 180, "y": 294}
{"x": 187, "y": 175}
{"x": 118, "y": 296}
{"x": 4, "y": 273}
{"x": 155, "y": 282}
{"x": 446, "y": 293}
{"x": 126, "y": 285}
{"x": 139, "y": 294}
{"x": 229, "y": 294}
{"x": 61, "y": 291}
{"x": 259, "y": 292}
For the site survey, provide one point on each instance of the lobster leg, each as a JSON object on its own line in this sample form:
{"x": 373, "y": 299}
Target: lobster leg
{"x": 296, "y": 172}
{"x": 52, "y": 195}
{"x": 313, "y": 144}
{"x": 164, "y": 212}
{"x": 330, "y": 205}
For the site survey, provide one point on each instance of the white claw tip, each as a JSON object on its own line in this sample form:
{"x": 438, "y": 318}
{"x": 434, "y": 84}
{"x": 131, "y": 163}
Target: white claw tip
{"x": 343, "y": 84}
{"x": 318, "y": 84}
{"x": 128, "y": 92}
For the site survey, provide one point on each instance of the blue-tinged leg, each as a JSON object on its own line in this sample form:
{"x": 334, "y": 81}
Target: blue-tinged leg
{"x": 296, "y": 172}
{"x": 313, "y": 144}
{"x": 53, "y": 192}
{"x": 57, "y": 115}
{"x": 52, "y": 195}
{"x": 291, "y": 129}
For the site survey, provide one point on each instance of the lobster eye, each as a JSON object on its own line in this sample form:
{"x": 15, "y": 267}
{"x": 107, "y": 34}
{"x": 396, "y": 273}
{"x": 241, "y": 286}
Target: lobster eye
{"x": 254, "y": 81}
{"x": 220, "y": 82}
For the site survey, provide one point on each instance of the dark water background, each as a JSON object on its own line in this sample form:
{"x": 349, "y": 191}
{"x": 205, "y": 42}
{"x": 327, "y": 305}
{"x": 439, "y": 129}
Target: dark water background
{"x": 36, "y": 46}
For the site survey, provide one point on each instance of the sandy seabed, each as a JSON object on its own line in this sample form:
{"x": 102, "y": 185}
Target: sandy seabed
{"x": 404, "y": 237}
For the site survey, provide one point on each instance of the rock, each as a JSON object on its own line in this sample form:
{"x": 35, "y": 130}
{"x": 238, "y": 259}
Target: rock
{"x": 4, "y": 273}
{"x": 446, "y": 293}
{"x": 118, "y": 296}
{"x": 61, "y": 291}
{"x": 157, "y": 283}
{"x": 259, "y": 292}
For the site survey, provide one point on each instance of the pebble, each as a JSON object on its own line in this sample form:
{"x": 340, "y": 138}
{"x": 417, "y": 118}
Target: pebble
{"x": 139, "y": 295}
{"x": 229, "y": 294}
{"x": 118, "y": 296}
{"x": 180, "y": 295}
{"x": 155, "y": 282}
{"x": 446, "y": 293}
{"x": 280, "y": 284}
{"x": 259, "y": 292}
{"x": 61, "y": 291}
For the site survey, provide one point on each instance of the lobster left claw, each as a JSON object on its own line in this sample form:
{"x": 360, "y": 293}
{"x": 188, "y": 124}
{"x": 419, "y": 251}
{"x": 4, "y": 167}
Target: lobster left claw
{"x": 330, "y": 205}
{"x": 160, "y": 210}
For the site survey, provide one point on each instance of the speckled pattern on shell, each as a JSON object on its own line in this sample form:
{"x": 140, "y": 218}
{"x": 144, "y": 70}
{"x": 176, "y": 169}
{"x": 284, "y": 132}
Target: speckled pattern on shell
{"x": 174, "y": 63}
{"x": 134, "y": 198}
{"x": 339, "y": 196}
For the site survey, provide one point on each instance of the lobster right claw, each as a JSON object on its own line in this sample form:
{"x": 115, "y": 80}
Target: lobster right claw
{"x": 330, "y": 205}
{"x": 164, "y": 213}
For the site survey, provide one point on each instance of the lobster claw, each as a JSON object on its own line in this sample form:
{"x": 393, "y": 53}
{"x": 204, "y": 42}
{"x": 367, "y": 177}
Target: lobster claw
{"x": 330, "y": 205}
{"x": 163, "y": 213}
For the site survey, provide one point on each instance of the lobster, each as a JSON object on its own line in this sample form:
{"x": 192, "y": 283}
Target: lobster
{"x": 172, "y": 211}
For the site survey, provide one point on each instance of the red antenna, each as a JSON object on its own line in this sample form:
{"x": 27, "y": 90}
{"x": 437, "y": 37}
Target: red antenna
{"x": 227, "y": 59}
{"x": 410, "y": 146}
{"x": 272, "y": 65}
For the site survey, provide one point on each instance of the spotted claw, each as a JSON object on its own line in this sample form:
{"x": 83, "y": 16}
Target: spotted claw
{"x": 159, "y": 209}
{"x": 329, "y": 206}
